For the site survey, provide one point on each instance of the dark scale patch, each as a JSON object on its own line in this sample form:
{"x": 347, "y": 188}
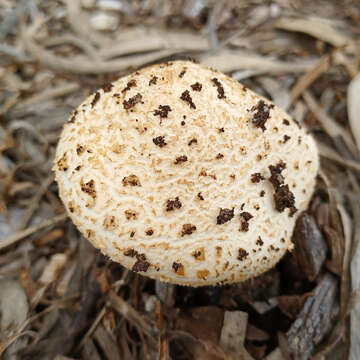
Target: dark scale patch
{"x": 192, "y": 141}
{"x": 131, "y": 253}
{"x": 153, "y": 80}
{"x": 196, "y": 254}
{"x": 286, "y": 138}
{"x": 177, "y": 266}
{"x": 224, "y": 216}
{"x": 95, "y": 99}
{"x": 286, "y": 122}
{"x": 180, "y": 159}
{"x": 149, "y": 232}
{"x": 141, "y": 264}
{"x": 182, "y": 123}
{"x": 262, "y": 193}
{"x": 129, "y": 85}
{"x": 219, "y": 156}
{"x": 131, "y": 180}
{"x": 159, "y": 141}
{"x": 199, "y": 196}
{"x": 276, "y": 178}
{"x": 188, "y": 229}
{"x": 196, "y": 87}
{"x": 259, "y": 242}
{"x": 80, "y": 149}
{"x": 132, "y": 234}
{"x": 173, "y": 204}
{"x": 221, "y": 130}
{"x": 181, "y": 75}
{"x": 220, "y": 89}
{"x": 185, "y": 96}
{"x": 244, "y": 221}
{"x": 73, "y": 117}
{"x": 107, "y": 87}
{"x": 78, "y": 168}
{"x": 256, "y": 177}
{"x": 89, "y": 188}
{"x": 128, "y": 104}
{"x": 62, "y": 163}
{"x": 162, "y": 111}
{"x": 242, "y": 255}
{"x": 283, "y": 197}
{"x": 261, "y": 114}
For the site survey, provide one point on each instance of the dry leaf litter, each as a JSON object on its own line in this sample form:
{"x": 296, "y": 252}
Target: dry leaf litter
{"x": 60, "y": 298}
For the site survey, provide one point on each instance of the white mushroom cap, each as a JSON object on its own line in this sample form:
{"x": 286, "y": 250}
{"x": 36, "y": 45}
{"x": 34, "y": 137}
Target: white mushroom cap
{"x": 184, "y": 175}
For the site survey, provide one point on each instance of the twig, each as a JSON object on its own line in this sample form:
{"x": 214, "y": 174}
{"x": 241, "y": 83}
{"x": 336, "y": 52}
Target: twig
{"x": 330, "y": 126}
{"x": 82, "y": 65}
{"x": 130, "y": 314}
{"x": 319, "y": 29}
{"x": 327, "y": 152}
{"x": 57, "y": 91}
{"x": 228, "y": 61}
{"x": 79, "y": 23}
{"x": 153, "y": 40}
{"x": 36, "y": 201}
{"x": 309, "y": 77}
{"x": 13, "y": 239}
{"x": 92, "y": 328}
{"x": 75, "y": 41}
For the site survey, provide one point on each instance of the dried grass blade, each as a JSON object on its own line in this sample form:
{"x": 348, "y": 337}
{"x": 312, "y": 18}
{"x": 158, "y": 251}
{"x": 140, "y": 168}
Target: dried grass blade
{"x": 309, "y": 77}
{"x": 353, "y": 108}
{"x": 317, "y": 28}
{"x": 228, "y": 61}
{"x": 13, "y": 239}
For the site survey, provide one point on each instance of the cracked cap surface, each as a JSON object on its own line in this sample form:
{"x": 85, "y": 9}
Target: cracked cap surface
{"x": 182, "y": 174}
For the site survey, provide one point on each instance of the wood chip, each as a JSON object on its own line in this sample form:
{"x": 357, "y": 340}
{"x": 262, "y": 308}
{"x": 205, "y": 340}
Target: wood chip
{"x": 315, "y": 320}
{"x": 311, "y": 248}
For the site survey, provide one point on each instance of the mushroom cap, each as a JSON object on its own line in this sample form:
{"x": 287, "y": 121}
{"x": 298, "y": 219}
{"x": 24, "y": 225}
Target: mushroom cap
{"x": 182, "y": 174}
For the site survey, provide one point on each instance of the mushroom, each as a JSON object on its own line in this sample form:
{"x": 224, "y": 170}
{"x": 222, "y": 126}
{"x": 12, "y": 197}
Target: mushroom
{"x": 182, "y": 174}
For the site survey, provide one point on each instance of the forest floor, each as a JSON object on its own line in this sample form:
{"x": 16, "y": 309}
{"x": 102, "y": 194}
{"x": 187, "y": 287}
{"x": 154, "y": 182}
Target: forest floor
{"x": 60, "y": 298}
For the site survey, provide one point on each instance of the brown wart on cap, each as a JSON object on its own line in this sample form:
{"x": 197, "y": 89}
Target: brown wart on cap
{"x": 173, "y": 204}
{"x": 162, "y": 111}
{"x": 283, "y": 197}
{"x": 244, "y": 221}
{"x": 220, "y": 89}
{"x": 159, "y": 141}
{"x": 192, "y": 141}
{"x": 180, "y": 159}
{"x": 153, "y": 80}
{"x": 242, "y": 254}
{"x": 141, "y": 264}
{"x": 261, "y": 114}
{"x": 95, "y": 99}
{"x": 131, "y": 180}
{"x": 62, "y": 163}
{"x": 178, "y": 268}
{"x": 224, "y": 216}
{"x": 129, "y": 85}
{"x": 256, "y": 177}
{"x": 196, "y": 87}
{"x": 168, "y": 193}
{"x": 188, "y": 229}
{"x": 131, "y": 102}
{"x": 185, "y": 96}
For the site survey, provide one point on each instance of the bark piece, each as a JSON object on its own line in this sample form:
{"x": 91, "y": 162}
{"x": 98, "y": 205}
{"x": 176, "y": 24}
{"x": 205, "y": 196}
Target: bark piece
{"x": 315, "y": 319}
{"x": 310, "y": 248}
